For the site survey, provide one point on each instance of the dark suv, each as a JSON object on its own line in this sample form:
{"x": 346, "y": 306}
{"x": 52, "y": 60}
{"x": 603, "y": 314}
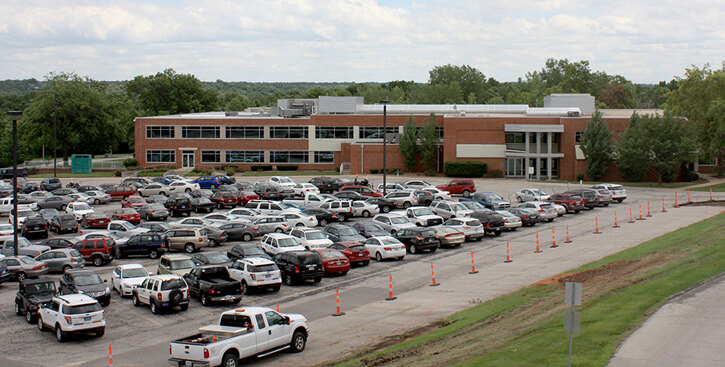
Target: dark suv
{"x": 299, "y": 266}
{"x": 32, "y": 293}
{"x": 145, "y": 244}
{"x": 86, "y": 282}
{"x": 50, "y": 184}
{"x": 35, "y": 226}
{"x": 325, "y": 184}
{"x": 99, "y": 250}
{"x": 178, "y": 206}
{"x": 416, "y": 239}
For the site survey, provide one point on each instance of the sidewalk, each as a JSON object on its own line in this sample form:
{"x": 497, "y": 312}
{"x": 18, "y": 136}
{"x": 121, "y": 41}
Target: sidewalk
{"x": 687, "y": 331}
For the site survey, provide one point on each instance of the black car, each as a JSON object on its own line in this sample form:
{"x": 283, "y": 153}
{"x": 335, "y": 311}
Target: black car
{"x": 51, "y": 183}
{"x": 201, "y": 193}
{"x": 64, "y": 191}
{"x": 323, "y": 216}
{"x": 492, "y": 222}
{"x": 239, "y": 252}
{"x": 32, "y": 293}
{"x": 178, "y": 205}
{"x": 299, "y": 266}
{"x": 417, "y": 239}
{"x": 267, "y": 191}
{"x": 370, "y": 229}
{"x": 155, "y": 227}
{"x": 226, "y": 180}
{"x": 202, "y": 204}
{"x": 240, "y": 231}
{"x": 244, "y": 186}
{"x": 211, "y": 258}
{"x": 338, "y": 232}
{"x": 325, "y": 184}
{"x": 153, "y": 212}
{"x": 57, "y": 243}
{"x": 8, "y": 173}
{"x": 64, "y": 223}
{"x": 30, "y": 187}
{"x": 35, "y": 226}
{"x": 54, "y": 202}
{"x": 385, "y": 205}
{"x": 145, "y": 244}
{"x": 87, "y": 282}
{"x": 350, "y": 195}
{"x": 528, "y": 216}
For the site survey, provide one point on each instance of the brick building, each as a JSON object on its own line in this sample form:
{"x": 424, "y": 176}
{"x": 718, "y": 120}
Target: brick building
{"x": 327, "y": 132}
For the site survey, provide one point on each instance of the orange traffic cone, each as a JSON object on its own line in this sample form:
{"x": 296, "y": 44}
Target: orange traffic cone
{"x": 390, "y": 290}
{"x": 553, "y": 238}
{"x": 538, "y": 250}
{"x": 568, "y": 240}
{"x": 337, "y": 301}
{"x": 508, "y": 257}
{"x": 473, "y": 265}
{"x": 433, "y": 272}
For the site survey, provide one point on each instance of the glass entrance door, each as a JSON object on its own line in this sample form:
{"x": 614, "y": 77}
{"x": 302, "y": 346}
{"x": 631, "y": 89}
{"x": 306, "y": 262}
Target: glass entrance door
{"x": 187, "y": 159}
{"x": 514, "y": 167}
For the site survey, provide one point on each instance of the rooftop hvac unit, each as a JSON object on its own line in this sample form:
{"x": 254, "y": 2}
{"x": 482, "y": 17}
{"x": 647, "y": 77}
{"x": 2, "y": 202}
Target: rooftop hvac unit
{"x": 231, "y": 113}
{"x": 572, "y": 114}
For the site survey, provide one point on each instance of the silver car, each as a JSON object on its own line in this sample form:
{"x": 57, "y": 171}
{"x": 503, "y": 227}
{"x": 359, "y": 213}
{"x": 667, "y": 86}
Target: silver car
{"x": 450, "y": 209}
{"x": 268, "y": 224}
{"x": 546, "y": 210}
{"x": 393, "y": 222}
{"x": 403, "y": 199}
{"x": 22, "y": 267}
{"x": 62, "y": 259}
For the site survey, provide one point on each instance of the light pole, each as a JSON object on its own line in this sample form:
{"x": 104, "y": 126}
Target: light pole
{"x": 15, "y": 115}
{"x": 385, "y": 145}
{"x": 55, "y": 135}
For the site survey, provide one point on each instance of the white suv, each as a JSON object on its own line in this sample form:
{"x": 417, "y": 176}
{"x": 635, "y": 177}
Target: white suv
{"x": 311, "y": 238}
{"x": 256, "y": 272}
{"x": 72, "y": 314}
{"x": 393, "y": 222}
{"x": 162, "y": 291}
{"x": 282, "y": 181}
{"x": 274, "y": 243}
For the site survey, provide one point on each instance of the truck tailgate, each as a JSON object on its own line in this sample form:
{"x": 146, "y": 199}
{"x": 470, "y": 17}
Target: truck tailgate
{"x": 188, "y": 351}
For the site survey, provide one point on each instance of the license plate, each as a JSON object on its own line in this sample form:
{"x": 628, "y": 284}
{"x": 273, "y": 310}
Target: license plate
{"x": 86, "y": 319}
{"x": 228, "y": 297}
{"x": 268, "y": 276}
{"x": 310, "y": 267}
{"x": 360, "y": 254}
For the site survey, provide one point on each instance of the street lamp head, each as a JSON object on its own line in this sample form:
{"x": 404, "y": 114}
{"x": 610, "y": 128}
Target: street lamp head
{"x": 384, "y": 101}
{"x": 15, "y": 113}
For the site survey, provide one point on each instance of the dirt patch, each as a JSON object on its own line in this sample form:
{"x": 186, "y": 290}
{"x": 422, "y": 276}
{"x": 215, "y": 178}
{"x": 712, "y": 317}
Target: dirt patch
{"x": 584, "y": 276}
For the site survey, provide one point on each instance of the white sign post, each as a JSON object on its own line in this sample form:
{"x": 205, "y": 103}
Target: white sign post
{"x": 573, "y": 297}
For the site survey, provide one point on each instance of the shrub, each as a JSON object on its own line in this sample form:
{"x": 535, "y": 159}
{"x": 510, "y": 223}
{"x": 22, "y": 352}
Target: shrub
{"x": 230, "y": 171}
{"x": 130, "y": 162}
{"x": 495, "y": 173}
{"x": 199, "y": 172}
{"x": 262, "y": 167}
{"x": 287, "y": 167}
{"x": 374, "y": 171}
{"x": 152, "y": 172}
{"x": 430, "y": 172}
{"x": 465, "y": 169}
{"x": 118, "y": 173}
{"x": 580, "y": 176}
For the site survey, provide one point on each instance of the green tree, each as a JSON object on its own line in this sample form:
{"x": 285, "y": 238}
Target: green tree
{"x": 409, "y": 144}
{"x": 429, "y": 145}
{"x": 714, "y": 123}
{"x": 597, "y": 146}
{"x": 170, "y": 93}
{"x": 471, "y": 81}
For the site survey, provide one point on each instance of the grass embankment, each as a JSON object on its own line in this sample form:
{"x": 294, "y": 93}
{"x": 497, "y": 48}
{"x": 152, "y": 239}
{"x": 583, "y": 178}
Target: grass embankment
{"x": 76, "y": 175}
{"x": 715, "y": 188}
{"x": 290, "y": 173}
{"x": 525, "y": 328}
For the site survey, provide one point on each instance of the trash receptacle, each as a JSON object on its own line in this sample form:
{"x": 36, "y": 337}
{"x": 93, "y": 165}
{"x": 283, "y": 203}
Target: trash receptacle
{"x": 81, "y": 163}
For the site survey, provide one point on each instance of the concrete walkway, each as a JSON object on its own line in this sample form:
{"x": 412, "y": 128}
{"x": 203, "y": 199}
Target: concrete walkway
{"x": 687, "y": 331}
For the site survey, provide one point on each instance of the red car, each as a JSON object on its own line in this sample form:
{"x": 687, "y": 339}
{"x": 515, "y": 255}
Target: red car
{"x": 95, "y": 220}
{"x": 333, "y": 261}
{"x": 223, "y": 199}
{"x": 122, "y": 191}
{"x": 572, "y": 203}
{"x": 99, "y": 250}
{"x": 362, "y": 190}
{"x": 134, "y": 201}
{"x": 459, "y": 186}
{"x": 128, "y": 214}
{"x": 246, "y": 196}
{"x": 355, "y": 252}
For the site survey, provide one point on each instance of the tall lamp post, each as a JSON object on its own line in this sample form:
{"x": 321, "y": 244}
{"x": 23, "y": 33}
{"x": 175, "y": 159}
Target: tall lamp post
{"x": 55, "y": 135}
{"x": 385, "y": 145}
{"x": 15, "y": 115}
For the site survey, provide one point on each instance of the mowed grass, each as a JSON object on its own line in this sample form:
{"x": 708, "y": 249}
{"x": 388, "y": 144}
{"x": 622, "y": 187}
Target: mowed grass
{"x": 525, "y": 328}
{"x": 715, "y": 188}
{"x": 76, "y": 175}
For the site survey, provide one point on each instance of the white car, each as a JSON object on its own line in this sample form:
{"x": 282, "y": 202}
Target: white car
{"x": 510, "y": 221}
{"x": 301, "y": 189}
{"x": 418, "y": 184}
{"x": 256, "y": 272}
{"x": 222, "y": 217}
{"x": 298, "y": 219}
{"x": 80, "y": 197}
{"x": 438, "y": 193}
{"x": 155, "y": 188}
{"x": 364, "y": 209}
{"x": 423, "y": 216}
{"x": 23, "y": 213}
{"x": 393, "y": 222}
{"x": 270, "y": 207}
{"x": 403, "y": 199}
{"x": 78, "y": 209}
{"x": 245, "y": 213}
{"x": 162, "y": 291}
{"x": 282, "y": 181}
{"x": 183, "y": 186}
{"x": 125, "y": 278}
{"x": 99, "y": 197}
{"x": 41, "y": 195}
{"x": 394, "y": 187}
{"x": 531, "y": 195}
{"x": 178, "y": 178}
{"x": 471, "y": 227}
{"x": 311, "y": 238}
{"x": 124, "y": 228}
{"x": 618, "y": 192}
{"x": 6, "y": 230}
{"x": 385, "y": 247}
{"x": 560, "y": 209}
{"x": 546, "y": 210}
{"x": 450, "y": 209}
{"x": 72, "y": 313}
{"x": 192, "y": 222}
{"x": 105, "y": 233}
{"x": 274, "y": 243}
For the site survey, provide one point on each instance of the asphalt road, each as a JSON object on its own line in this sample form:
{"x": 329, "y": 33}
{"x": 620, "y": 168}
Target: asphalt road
{"x": 140, "y": 338}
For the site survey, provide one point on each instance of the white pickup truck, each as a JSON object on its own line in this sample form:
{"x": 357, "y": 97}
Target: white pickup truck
{"x": 241, "y": 333}
{"x": 309, "y": 201}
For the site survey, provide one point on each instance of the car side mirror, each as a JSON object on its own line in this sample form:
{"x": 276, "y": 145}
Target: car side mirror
{"x": 286, "y": 320}
{"x": 105, "y": 280}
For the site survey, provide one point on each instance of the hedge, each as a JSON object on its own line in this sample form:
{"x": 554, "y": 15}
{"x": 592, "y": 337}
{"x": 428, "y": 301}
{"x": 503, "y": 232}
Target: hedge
{"x": 262, "y": 167}
{"x": 465, "y": 169}
{"x": 286, "y": 167}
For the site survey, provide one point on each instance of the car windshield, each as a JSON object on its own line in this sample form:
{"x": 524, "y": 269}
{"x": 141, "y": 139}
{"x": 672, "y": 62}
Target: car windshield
{"x": 422, "y": 211}
{"x": 473, "y": 205}
{"x": 315, "y": 235}
{"x": 390, "y": 241}
{"x": 181, "y": 264}
{"x": 81, "y": 207}
{"x": 473, "y": 222}
{"x": 128, "y": 226}
{"x": 87, "y": 279}
{"x": 251, "y": 251}
{"x": 22, "y": 242}
{"x": 67, "y": 218}
{"x": 156, "y": 207}
{"x": 447, "y": 230}
{"x": 357, "y": 248}
{"x": 347, "y": 231}
{"x": 308, "y": 259}
{"x": 24, "y": 213}
{"x": 457, "y": 207}
{"x": 262, "y": 268}
{"x": 170, "y": 284}
{"x": 43, "y": 287}
{"x": 27, "y": 260}
{"x": 217, "y": 258}
{"x": 371, "y": 227}
{"x": 81, "y": 309}
{"x": 427, "y": 233}
{"x": 492, "y": 197}
{"x": 128, "y": 211}
{"x": 95, "y": 215}
{"x": 538, "y": 192}
{"x": 137, "y": 200}
{"x": 287, "y": 242}
{"x": 332, "y": 254}
{"x": 134, "y": 273}
{"x": 285, "y": 180}
{"x": 6, "y": 227}
{"x": 399, "y": 220}
{"x": 506, "y": 214}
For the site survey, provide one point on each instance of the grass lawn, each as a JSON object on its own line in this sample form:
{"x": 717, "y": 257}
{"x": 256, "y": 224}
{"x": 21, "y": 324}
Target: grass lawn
{"x": 664, "y": 185}
{"x": 75, "y": 175}
{"x": 525, "y": 328}
{"x": 715, "y": 188}
{"x": 290, "y": 173}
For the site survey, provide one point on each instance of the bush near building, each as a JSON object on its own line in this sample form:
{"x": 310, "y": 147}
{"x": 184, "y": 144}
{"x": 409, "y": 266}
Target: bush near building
{"x": 465, "y": 169}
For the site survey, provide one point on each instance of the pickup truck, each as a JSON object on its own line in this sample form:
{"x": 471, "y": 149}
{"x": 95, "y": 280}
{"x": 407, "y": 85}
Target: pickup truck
{"x": 213, "y": 283}
{"x": 241, "y": 333}
{"x": 308, "y": 201}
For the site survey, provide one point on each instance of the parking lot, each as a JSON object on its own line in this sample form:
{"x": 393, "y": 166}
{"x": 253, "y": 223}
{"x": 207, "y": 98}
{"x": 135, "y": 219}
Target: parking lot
{"x": 142, "y": 338}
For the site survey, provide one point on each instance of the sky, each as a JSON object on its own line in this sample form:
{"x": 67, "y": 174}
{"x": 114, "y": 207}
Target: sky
{"x": 645, "y": 41}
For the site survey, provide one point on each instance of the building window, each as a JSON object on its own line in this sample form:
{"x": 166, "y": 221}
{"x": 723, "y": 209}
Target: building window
{"x": 376, "y": 132}
{"x": 288, "y": 156}
{"x": 160, "y": 156}
{"x": 245, "y": 132}
{"x": 210, "y": 156}
{"x": 554, "y": 138}
{"x": 578, "y": 136}
{"x": 516, "y": 141}
{"x": 200, "y": 132}
{"x": 440, "y": 132}
{"x": 333, "y": 132}
{"x": 324, "y": 157}
{"x": 245, "y": 156}
{"x": 159, "y": 132}
{"x": 288, "y": 132}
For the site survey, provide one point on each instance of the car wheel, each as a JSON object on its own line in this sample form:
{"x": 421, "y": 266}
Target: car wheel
{"x": 366, "y": 262}
{"x": 213, "y": 242}
{"x": 247, "y": 237}
{"x": 288, "y": 279}
{"x": 341, "y": 217}
{"x": 41, "y": 327}
{"x": 204, "y": 300}
{"x": 66, "y": 268}
{"x": 385, "y": 209}
{"x": 466, "y": 193}
{"x": 497, "y": 233}
{"x": 21, "y": 276}
{"x": 323, "y": 222}
{"x": 17, "y": 309}
{"x": 378, "y": 256}
{"x": 276, "y": 288}
{"x": 148, "y": 217}
{"x": 230, "y": 360}
{"x": 154, "y": 308}
{"x": 519, "y": 199}
{"x": 162, "y": 193}
{"x": 365, "y": 214}
{"x": 245, "y": 287}
{"x": 97, "y": 261}
{"x": 187, "y": 190}
{"x": 299, "y": 340}
{"x": 278, "y": 230}
{"x": 154, "y": 254}
{"x": 136, "y": 301}
{"x": 96, "y": 202}
{"x": 184, "y": 307}
{"x": 29, "y": 317}
{"x": 406, "y": 205}
{"x": 189, "y": 247}
{"x": 59, "y": 334}
{"x": 412, "y": 249}
{"x": 318, "y": 279}
{"x": 62, "y": 208}
{"x": 100, "y": 333}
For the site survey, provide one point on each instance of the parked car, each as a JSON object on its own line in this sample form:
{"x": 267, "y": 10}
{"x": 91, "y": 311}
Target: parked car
{"x": 531, "y": 194}
{"x": 355, "y": 252}
{"x": 490, "y": 200}
{"x": 158, "y": 227}
{"x": 79, "y": 210}
{"x": 213, "y": 284}
{"x": 153, "y": 212}
{"x": 183, "y": 186}
{"x": 463, "y": 187}
{"x": 545, "y": 210}
{"x": 323, "y": 216}
{"x": 418, "y": 239}
{"x": 224, "y": 199}
{"x": 274, "y": 243}
{"x": 299, "y": 266}
{"x": 33, "y": 293}
{"x": 72, "y": 314}
{"x": 207, "y": 182}
{"x": 362, "y": 190}
{"x": 211, "y": 258}
{"x": 239, "y": 231}
{"x": 154, "y": 189}
{"x": 124, "y": 228}
{"x": 269, "y": 224}
{"x": 62, "y": 259}
{"x": 162, "y": 292}
{"x": 471, "y": 228}
{"x": 23, "y": 267}
{"x": 80, "y": 197}
{"x": 99, "y": 197}
{"x": 64, "y": 223}
{"x": 393, "y": 222}
{"x": 589, "y": 196}
{"x": 618, "y": 192}
{"x": 145, "y": 244}
{"x": 301, "y": 189}
{"x": 126, "y": 214}
{"x": 176, "y": 264}
{"x": 423, "y": 216}
{"x": 34, "y": 226}
{"x": 324, "y": 184}
{"x": 333, "y": 261}
{"x": 385, "y": 247}
{"x": 25, "y": 247}
{"x": 187, "y": 239}
{"x": 282, "y": 181}
{"x": 493, "y": 223}
{"x": 178, "y": 206}
{"x": 121, "y": 192}
{"x": 450, "y": 209}
{"x": 311, "y": 238}
{"x": 86, "y": 282}
{"x": 50, "y": 184}
{"x": 238, "y": 252}
{"x": 202, "y": 204}
{"x": 511, "y": 221}
{"x": 298, "y": 219}
{"x": 126, "y": 277}
{"x": 95, "y": 220}
{"x": 402, "y": 199}
{"x": 369, "y": 229}
{"x": 97, "y": 250}
{"x": 57, "y": 243}
{"x": 256, "y": 273}
{"x": 571, "y": 202}
{"x": 54, "y": 202}
{"x": 338, "y": 232}
{"x": 529, "y": 217}
{"x": 449, "y": 236}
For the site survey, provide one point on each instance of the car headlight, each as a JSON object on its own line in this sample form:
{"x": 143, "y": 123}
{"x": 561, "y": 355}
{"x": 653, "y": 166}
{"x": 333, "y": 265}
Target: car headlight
{"x": 81, "y": 292}
{"x": 108, "y": 290}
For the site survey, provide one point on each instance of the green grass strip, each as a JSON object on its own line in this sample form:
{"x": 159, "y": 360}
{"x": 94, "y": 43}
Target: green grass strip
{"x": 76, "y": 175}
{"x": 715, "y": 188}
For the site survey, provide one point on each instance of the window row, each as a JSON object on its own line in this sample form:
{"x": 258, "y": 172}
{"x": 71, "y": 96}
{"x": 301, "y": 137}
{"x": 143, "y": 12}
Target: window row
{"x": 160, "y": 156}
{"x": 257, "y": 156}
{"x": 200, "y": 132}
{"x": 275, "y": 132}
{"x": 159, "y": 132}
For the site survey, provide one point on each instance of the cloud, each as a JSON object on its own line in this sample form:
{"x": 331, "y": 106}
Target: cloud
{"x": 360, "y": 40}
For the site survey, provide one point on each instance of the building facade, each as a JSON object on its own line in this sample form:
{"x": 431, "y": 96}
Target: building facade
{"x": 330, "y": 132}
